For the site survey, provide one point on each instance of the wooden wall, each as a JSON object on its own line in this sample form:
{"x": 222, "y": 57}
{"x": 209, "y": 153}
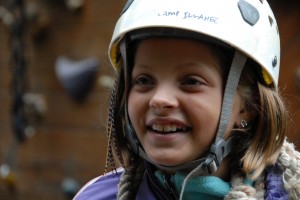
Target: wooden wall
{"x": 70, "y": 139}
{"x": 288, "y": 18}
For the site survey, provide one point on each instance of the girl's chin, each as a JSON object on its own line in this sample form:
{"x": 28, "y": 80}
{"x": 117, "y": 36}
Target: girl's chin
{"x": 171, "y": 163}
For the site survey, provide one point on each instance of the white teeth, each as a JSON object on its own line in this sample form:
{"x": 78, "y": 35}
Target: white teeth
{"x": 157, "y": 127}
{"x": 166, "y": 128}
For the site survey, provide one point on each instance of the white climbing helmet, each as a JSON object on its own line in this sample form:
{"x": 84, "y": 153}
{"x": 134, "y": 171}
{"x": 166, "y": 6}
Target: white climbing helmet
{"x": 247, "y": 25}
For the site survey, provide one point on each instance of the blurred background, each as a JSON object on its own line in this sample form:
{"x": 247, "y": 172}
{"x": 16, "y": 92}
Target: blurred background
{"x": 55, "y": 79}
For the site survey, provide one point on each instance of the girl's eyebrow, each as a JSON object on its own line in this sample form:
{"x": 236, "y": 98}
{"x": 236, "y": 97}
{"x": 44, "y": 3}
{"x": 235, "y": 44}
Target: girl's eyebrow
{"x": 139, "y": 67}
{"x": 142, "y": 65}
{"x": 189, "y": 64}
{"x": 193, "y": 64}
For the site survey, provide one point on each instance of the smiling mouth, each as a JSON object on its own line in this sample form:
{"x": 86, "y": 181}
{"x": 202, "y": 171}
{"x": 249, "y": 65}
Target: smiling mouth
{"x": 168, "y": 129}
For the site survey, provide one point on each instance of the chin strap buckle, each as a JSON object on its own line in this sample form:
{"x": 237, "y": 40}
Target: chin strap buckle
{"x": 218, "y": 151}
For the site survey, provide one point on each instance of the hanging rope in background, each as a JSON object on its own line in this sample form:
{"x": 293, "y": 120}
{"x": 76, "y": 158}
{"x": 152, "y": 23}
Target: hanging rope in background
{"x": 14, "y": 18}
{"x": 18, "y": 69}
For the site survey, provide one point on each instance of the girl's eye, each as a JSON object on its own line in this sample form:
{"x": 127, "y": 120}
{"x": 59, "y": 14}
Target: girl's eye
{"x": 143, "y": 80}
{"x": 192, "y": 81}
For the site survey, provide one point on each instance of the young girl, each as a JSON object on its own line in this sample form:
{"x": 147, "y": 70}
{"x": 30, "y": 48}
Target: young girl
{"x": 195, "y": 112}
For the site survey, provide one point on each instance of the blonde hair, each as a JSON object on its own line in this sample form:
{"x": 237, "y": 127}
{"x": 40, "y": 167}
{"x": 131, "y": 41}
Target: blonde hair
{"x": 266, "y": 133}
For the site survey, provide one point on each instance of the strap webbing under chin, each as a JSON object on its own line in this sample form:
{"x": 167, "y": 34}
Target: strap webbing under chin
{"x": 221, "y": 148}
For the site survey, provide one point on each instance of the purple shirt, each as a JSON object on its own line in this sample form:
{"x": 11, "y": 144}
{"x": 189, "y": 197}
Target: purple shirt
{"x": 106, "y": 187}
{"x": 274, "y": 184}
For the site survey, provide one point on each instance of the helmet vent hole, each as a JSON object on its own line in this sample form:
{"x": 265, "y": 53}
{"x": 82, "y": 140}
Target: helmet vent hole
{"x": 274, "y": 61}
{"x": 271, "y": 21}
{"x": 261, "y": 1}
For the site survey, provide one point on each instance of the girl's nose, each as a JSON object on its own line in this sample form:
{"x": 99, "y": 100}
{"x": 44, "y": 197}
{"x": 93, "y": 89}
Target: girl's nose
{"x": 163, "y": 99}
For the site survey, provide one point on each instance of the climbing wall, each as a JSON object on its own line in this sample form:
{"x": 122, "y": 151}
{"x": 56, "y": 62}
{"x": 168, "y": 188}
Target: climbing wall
{"x": 66, "y": 146}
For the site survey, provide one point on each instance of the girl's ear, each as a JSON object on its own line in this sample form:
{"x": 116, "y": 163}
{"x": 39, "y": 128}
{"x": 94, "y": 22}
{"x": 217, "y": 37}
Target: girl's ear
{"x": 245, "y": 115}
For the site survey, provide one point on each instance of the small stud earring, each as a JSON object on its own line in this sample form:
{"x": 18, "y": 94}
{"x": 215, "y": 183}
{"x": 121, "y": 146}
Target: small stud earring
{"x": 244, "y": 123}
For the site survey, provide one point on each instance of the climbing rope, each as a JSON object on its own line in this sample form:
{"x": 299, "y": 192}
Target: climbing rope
{"x": 18, "y": 69}
{"x": 14, "y": 18}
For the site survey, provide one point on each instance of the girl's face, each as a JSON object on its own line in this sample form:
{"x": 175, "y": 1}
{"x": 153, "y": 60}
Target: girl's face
{"x": 175, "y": 101}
